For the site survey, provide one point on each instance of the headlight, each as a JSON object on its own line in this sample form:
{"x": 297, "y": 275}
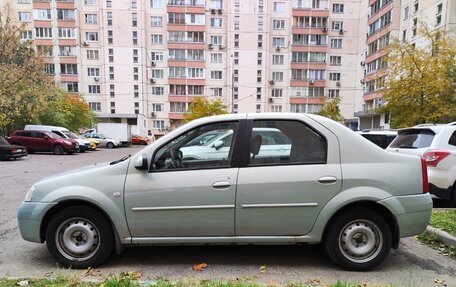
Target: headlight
{"x": 28, "y": 195}
{"x": 67, "y": 142}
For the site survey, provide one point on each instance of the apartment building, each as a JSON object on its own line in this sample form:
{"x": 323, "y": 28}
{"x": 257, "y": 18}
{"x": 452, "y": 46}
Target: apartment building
{"x": 153, "y": 57}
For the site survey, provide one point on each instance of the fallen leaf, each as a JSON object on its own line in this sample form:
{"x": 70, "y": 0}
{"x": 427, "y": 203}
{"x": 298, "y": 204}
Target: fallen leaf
{"x": 313, "y": 281}
{"x": 92, "y": 272}
{"x": 23, "y": 283}
{"x": 199, "y": 267}
{"x": 131, "y": 274}
{"x": 263, "y": 269}
{"x": 440, "y": 281}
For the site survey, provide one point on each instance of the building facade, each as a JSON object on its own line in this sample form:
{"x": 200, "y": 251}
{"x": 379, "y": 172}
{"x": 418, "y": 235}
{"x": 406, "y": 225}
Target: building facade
{"x": 153, "y": 57}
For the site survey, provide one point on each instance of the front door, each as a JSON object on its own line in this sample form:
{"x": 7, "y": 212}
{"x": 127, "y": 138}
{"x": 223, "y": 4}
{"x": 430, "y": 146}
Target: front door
{"x": 181, "y": 197}
{"x": 282, "y": 190}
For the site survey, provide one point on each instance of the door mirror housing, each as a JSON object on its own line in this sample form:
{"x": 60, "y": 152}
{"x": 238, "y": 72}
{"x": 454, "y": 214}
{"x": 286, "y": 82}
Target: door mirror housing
{"x": 142, "y": 163}
{"x": 217, "y": 145}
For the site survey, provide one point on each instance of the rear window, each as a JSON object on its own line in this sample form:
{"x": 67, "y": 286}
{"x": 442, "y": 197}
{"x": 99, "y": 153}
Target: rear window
{"x": 413, "y": 139}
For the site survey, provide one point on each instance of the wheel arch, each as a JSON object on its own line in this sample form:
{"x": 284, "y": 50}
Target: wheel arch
{"x": 79, "y": 202}
{"x": 380, "y": 209}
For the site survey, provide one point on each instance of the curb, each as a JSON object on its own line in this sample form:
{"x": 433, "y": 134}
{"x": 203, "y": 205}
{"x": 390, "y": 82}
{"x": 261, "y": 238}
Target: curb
{"x": 443, "y": 236}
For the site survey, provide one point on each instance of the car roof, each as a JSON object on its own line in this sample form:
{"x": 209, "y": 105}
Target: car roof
{"x": 377, "y": 132}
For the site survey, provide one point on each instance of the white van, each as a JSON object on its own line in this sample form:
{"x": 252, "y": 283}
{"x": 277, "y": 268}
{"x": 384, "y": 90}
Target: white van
{"x": 63, "y": 132}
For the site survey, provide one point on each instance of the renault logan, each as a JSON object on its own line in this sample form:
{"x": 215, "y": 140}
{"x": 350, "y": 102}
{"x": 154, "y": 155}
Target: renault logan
{"x": 331, "y": 186}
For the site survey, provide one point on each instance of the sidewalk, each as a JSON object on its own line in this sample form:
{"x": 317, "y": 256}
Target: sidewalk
{"x": 443, "y": 236}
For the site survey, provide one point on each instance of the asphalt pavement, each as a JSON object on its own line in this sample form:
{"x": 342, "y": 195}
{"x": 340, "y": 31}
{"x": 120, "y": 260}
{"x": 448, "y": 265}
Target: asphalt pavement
{"x": 413, "y": 264}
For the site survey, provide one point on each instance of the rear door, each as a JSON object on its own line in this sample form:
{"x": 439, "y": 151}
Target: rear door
{"x": 282, "y": 194}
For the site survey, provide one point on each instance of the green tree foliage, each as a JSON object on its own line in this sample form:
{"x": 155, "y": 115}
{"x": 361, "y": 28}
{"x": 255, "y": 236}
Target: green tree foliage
{"x": 27, "y": 94}
{"x": 203, "y": 107}
{"x": 331, "y": 109}
{"x": 420, "y": 86}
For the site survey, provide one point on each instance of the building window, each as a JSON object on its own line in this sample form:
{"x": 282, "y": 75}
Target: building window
{"x": 416, "y": 6}
{"x": 159, "y": 125}
{"x": 91, "y": 36}
{"x": 158, "y": 91}
{"x": 25, "y": 16}
{"x": 216, "y": 57}
{"x": 94, "y": 89}
{"x": 49, "y": 69}
{"x": 336, "y": 43}
{"x": 67, "y": 51}
{"x": 93, "y": 54}
{"x": 156, "y": 39}
{"x": 67, "y": 33}
{"x": 93, "y": 72}
{"x": 335, "y": 60}
{"x": 278, "y": 42}
{"x": 134, "y": 4}
{"x": 406, "y": 12}
{"x": 335, "y": 77}
{"x": 438, "y": 18}
{"x": 216, "y": 40}
{"x": 216, "y": 75}
{"x": 334, "y": 93}
{"x": 338, "y": 8}
{"x": 72, "y": 87}
{"x": 216, "y": 92}
{"x": 42, "y": 14}
{"x": 277, "y": 76}
{"x": 156, "y": 56}
{"x": 156, "y": 74}
{"x": 158, "y": 107}
{"x": 91, "y": 18}
{"x": 65, "y": 14}
{"x": 236, "y": 40}
{"x": 108, "y": 4}
{"x": 69, "y": 69}
{"x": 260, "y": 41}
{"x": 276, "y": 108}
{"x": 260, "y": 23}
{"x": 95, "y": 106}
{"x": 134, "y": 19}
{"x": 278, "y": 24}
{"x": 90, "y": 2}
{"x": 277, "y": 59}
{"x": 237, "y": 22}
{"x": 45, "y": 51}
{"x": 337, "y": 25}
{"x": 276, "y": 93}
{"x": 134, "y": 38}
{"x": 26, "y": 35}
{"x": 156, "y": 3}
{"x": 43, "y": 32}
{"x": 279, "y": 6}
{"x": 216, "y": 22}
{"x": 156, "y": 21}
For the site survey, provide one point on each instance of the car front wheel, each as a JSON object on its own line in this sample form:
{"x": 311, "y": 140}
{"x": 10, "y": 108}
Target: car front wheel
{"x": 79, "y": 237}
{"x": 109, "y": 145}
{"x": 58, "y": 150}
{"x": 358, "y": 240}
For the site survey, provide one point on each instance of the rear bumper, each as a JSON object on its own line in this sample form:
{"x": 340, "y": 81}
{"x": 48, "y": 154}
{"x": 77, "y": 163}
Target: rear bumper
{"x": 412, "y": 212}
{"x": 14, "y": 155}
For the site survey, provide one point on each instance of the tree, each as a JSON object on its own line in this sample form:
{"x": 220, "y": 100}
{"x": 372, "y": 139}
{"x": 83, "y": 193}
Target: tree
{"x": 27, "y": 94}
{"x": 331, "y": 109}
{"x": 420, "y": 86}
{"x": 203, "y": 107}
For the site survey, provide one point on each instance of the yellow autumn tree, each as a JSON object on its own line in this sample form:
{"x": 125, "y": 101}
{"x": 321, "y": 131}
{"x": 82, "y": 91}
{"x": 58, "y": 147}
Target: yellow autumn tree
{"x": 331, "y": 109}
{"x": 421, "y": 81}
{"x": 203, "y": 107}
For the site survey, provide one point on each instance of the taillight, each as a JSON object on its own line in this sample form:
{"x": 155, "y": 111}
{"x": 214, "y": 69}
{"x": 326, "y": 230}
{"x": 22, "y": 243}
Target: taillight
{"x": 433, "y": 157}
{"x": 424, "y": 175}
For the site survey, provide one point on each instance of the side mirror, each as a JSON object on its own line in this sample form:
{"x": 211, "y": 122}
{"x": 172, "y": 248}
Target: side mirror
{"x": 46, "y": 137}
{"x": 142, "y": 163}
{"x": 217, "y": 144}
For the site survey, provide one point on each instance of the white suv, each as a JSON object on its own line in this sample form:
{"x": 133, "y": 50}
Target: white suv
{"x": 437, "y": 144}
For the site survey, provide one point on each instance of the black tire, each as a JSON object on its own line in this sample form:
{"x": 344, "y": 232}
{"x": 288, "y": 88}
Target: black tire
{"x": 70, "y": 152}
{"x": 110, "y": 145}
{"x": 87, "y": 227}
{"x": 142, "y": 143}
{"x": 58, "y": 150}
{"x": 358, "y": 225}
{"x": 452, "y": 201}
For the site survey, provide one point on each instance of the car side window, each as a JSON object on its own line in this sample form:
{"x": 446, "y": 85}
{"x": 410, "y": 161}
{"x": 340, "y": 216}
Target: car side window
{"x": 185, "y": 153}
{"x": 275, "y": 142}
{"x": 452, "y": 140}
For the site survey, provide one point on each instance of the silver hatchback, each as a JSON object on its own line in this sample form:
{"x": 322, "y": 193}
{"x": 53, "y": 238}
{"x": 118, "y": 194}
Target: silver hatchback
{"x": 328, "y": 186}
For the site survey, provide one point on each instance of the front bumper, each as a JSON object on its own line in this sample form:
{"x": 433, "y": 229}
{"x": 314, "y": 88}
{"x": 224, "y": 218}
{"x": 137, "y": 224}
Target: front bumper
{"x": 84, "y": 147}
{"x": 29, "y": 217}
{"x": 412, "y": 212}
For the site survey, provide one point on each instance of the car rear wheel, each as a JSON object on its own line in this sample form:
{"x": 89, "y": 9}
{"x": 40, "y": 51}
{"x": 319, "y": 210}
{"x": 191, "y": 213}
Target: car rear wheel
{"x": 142, "y": 143}
{"x": 58, "y": 150}
{"x": 358, "y": 240}
{"x": 79, "y": 237}
{"x": 109, "y": 145}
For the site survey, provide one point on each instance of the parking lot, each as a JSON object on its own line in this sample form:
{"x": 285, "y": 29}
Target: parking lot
{"x": 412, "y": 265}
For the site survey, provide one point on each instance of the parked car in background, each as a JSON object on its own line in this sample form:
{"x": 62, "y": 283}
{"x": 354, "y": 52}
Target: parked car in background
{"x": 63, "y": 132}
{"x": 94, "y": 144}
{"x": 118, "y": 131}
{"x": 104, "y": 141}
{"x": 158, "y": 197}
{"x": 136, "y": 139}
{"x": 44, "y": 141}
{"x": 8, "y": 151}
{"x": 437, "y": 144}
{"x": 382, "y": 138}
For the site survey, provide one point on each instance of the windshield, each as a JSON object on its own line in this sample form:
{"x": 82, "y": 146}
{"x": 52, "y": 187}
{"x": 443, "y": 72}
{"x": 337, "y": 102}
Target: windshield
{"x": 3, "y": 141}
{"x": 413, "y": 139}
{"x": 70, "y": 134}
{"x": 205, "y": 138}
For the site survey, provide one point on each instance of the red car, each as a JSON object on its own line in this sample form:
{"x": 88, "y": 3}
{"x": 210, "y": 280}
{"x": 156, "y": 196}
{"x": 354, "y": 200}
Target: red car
{"x": 44, "y": 141}
{"x": 135, "y": 139}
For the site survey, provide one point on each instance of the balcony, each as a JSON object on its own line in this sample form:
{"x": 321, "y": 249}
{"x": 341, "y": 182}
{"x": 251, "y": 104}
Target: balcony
{"x": 192, "y": 3}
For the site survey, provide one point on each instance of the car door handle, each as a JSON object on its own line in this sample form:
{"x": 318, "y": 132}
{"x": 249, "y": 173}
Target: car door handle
{"x": 327, "y": 179}
{"x": 221, "y": 185}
